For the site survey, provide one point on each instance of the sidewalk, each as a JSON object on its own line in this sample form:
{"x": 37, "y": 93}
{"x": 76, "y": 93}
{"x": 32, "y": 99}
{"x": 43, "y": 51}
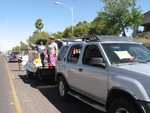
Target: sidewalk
{"x": 30, "y": 98}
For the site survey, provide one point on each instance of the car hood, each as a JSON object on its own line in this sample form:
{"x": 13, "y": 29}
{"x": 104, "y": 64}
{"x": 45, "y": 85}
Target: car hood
{"x": 141, "y": 68}
{"x": 139, "y": 72}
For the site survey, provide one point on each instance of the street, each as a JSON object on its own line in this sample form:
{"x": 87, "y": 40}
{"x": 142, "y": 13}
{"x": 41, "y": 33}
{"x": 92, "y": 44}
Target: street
{"x": 36, "y": 96}
{"x": 6, "y": 96}
{"x": 75, "y": 56}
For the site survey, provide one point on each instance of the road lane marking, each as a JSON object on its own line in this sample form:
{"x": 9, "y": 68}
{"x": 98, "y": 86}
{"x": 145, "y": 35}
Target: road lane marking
{"x": 14, "y": 93}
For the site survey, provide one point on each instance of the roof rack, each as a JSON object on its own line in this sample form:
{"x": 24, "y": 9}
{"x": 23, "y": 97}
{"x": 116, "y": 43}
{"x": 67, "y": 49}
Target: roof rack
{"x": 98, "y": 38}
{"x": 90, "y": 38}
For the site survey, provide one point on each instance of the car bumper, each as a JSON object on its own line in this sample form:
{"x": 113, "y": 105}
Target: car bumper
{"x": 145, "y": 106}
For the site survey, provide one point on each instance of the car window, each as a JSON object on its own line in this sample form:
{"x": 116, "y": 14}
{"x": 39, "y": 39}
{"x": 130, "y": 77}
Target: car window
{"x": 91, "y": 51}
{"x": 74, "y": 54}
{"x": 62, "y": 53}
{"x": 126, "y": 53}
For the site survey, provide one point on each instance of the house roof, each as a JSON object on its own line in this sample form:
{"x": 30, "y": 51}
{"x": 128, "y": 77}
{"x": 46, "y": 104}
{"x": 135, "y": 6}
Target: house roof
{"x": 147, "y": 18}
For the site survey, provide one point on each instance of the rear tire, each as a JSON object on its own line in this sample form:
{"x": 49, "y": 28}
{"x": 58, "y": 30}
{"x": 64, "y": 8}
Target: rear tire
{"x": 63, "y": 88}
{"x": 123, "y": 106}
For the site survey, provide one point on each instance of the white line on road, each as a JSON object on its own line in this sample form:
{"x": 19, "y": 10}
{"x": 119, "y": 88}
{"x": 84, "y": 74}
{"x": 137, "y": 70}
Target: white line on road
{"x": 14, "y": 93}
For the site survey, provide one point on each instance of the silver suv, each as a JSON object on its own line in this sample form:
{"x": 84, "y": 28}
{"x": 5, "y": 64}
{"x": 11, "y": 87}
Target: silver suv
{"x": 110, "y": 74}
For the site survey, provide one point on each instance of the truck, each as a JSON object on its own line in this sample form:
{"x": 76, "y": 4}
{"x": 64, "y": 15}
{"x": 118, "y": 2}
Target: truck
{"x": 109, "y": 73}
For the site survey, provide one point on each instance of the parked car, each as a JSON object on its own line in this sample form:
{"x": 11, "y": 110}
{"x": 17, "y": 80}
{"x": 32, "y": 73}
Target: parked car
{"x": 111, "y": 74}
{"x": 13, "y": 57}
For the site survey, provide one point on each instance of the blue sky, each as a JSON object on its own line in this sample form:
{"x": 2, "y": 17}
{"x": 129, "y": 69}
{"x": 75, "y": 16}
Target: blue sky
{"x": 17, "y": 17}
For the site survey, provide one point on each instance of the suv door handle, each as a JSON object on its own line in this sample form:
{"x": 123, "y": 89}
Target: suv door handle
{"x": 80, "y": 69}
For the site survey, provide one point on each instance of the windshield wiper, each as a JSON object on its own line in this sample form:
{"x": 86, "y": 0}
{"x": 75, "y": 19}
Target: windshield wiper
{"x": 145, "y": 61}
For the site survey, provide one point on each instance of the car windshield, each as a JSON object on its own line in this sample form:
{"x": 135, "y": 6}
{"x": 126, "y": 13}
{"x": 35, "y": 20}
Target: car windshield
{"x": 126, "y": 53}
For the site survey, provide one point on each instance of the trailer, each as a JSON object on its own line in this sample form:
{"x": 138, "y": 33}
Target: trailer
{"x": 35, "y": 70}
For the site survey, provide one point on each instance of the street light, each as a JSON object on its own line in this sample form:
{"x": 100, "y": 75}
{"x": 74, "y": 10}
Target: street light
{"x": 72, "y": 13}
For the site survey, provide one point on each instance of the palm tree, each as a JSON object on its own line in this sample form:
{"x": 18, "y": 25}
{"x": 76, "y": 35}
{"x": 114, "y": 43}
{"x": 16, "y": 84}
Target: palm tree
{"x": 39, "y": 24}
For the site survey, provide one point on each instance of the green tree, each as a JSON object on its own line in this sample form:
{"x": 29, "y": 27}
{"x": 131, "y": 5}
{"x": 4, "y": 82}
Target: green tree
{"x": 23, "y": 46}
{"x": 121, "y": 15}
{"x": 99, "y": 26}
{"x": 39, "y": 24}
{"x": 67, "y": 33}
{"x": 16, "y": 49}
{"x": 81, "y": 29}
{"x": 37, "y": 37}
{"x": 58, "y": 35}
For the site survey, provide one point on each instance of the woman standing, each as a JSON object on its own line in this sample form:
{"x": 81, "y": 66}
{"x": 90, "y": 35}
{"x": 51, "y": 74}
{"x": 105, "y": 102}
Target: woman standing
{"x": 52, "y": 52}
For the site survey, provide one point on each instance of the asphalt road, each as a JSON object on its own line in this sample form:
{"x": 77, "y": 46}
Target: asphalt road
{"x": 43, "y": 95}
{"x": 50, "y": 91}
{"x": 71, "y": 105}
{"x": 6, "y": 97}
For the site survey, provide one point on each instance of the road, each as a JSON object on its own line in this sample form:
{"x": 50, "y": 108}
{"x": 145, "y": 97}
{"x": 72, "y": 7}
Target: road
{"x": 6, "y": 96}
{"x": 71, "y": 105}
{"x": 35, "y": 96}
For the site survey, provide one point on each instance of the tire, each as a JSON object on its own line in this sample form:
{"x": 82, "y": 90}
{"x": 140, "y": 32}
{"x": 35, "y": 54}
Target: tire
{"x": 123, "y": 106}
{"x": 63, "y": 88}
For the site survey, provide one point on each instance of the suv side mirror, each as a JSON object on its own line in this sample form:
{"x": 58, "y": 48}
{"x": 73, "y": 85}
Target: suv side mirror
{"x": 97, "y": 61}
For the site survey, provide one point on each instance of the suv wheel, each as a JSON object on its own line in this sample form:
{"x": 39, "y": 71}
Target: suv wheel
{"x": 63, "y": 88}
{"x": 122, "y": 106}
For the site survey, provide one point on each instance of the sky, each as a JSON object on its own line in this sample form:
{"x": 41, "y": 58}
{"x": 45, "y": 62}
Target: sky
{"x": 17, "y": 17}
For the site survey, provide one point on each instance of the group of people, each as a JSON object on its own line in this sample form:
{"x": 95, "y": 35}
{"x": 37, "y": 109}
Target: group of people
{"x": 45, "y": 53}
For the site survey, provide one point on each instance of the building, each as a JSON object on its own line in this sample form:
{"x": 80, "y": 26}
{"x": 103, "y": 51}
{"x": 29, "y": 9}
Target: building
{"x": 146, "y": 22}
